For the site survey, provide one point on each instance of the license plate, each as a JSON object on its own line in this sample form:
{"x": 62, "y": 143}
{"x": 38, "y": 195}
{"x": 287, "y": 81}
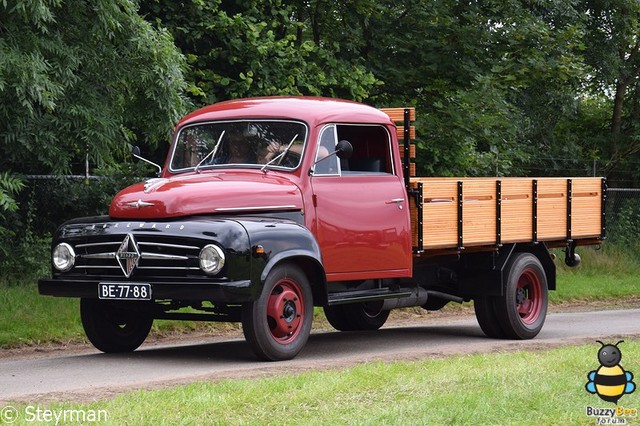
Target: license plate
{"x": 124, "y": 291}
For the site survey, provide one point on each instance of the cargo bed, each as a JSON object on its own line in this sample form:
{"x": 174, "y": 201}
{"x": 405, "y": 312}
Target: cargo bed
{"x": 467, "y": 213}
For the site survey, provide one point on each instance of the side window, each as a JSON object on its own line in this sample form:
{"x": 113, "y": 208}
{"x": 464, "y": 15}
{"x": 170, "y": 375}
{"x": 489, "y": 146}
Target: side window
{"x": 371, "y": 149}
{"x": 326, "y": 164}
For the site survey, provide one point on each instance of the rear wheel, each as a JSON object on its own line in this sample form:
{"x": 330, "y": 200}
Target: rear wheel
{"x": 111, "y": 327}
{"x": 522, "y": 310}
{"x": 357, "y": 316}
{"x": 277, "y": 325}
{"x": 487, "y": 318}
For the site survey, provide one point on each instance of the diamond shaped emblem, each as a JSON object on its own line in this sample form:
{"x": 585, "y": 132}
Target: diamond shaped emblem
{"x": 128, "y": 255}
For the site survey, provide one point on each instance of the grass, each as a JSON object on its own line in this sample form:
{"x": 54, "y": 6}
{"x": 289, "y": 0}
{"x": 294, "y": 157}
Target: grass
{"x": 521, "y": 388}
{"x": 27, "y": 318}
{"x": 609, "y": 274}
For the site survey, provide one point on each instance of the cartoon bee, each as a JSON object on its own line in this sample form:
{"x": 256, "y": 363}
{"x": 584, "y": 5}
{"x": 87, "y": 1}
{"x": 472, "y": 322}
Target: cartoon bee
{"x": 610, "y": 381}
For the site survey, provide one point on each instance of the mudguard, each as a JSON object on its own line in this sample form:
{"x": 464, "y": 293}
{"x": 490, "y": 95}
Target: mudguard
{"x": 274, "y": 241}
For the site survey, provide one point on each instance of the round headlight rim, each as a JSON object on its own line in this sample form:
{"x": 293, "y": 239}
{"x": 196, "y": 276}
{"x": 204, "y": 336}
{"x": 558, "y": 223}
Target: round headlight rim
{"x": 71, "y": 254}
{"x": 219, "y": 253}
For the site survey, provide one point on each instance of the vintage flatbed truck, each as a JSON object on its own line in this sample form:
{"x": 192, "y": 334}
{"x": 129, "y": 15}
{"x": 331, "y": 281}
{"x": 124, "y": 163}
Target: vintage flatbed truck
{"x": 268, "y": 207}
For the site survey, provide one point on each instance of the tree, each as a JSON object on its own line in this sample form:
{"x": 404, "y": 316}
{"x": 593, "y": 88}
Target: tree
{"x": 613, "y": 52}
{"x": 246, "y": 48}
{"x": 482, "y": 73}
{"x": 82, "y": 78}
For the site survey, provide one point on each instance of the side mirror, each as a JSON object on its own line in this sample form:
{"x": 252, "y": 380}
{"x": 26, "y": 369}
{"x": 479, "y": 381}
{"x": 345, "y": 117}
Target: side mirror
{"x": 344, "y": 149}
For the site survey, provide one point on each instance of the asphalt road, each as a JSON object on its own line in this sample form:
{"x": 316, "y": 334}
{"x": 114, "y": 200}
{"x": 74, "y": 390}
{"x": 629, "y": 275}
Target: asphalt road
{"x": 88, "y": 374}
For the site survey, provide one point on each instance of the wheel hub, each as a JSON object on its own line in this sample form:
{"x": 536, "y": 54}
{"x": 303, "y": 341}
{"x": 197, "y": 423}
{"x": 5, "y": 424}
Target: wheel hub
{"x": 289, "y": 312}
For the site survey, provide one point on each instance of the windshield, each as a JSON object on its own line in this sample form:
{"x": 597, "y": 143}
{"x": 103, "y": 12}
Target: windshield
{"x": 278, "y": 144}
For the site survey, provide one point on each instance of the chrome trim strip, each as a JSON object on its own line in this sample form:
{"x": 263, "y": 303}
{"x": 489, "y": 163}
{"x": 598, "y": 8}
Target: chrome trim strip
{"x": 229, "y": 209}
{"x": 158, "y": 256}
{"x": 110, "y": 243}
{"x": 96, "y": 267}
{"x": 111, "y": 255}
{"x": 189, "y": 268}
{"x": 142, "y": 243}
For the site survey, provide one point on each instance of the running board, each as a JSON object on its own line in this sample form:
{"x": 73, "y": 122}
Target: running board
{"x": 361, "y": 296}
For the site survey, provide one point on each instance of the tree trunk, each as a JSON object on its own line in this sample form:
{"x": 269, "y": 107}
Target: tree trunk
{"x": 616, "y": 118}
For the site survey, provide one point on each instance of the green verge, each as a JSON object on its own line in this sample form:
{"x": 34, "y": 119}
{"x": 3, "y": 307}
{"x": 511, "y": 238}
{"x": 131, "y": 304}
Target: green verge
{"x": 27, "y": 318}
{"x": 520, "y": 388}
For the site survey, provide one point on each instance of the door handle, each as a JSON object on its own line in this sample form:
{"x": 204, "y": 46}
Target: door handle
{"x": 395, "y": 201}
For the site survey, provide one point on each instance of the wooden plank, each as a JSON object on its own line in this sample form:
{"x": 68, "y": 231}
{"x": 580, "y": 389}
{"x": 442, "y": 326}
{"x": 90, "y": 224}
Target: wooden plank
{"x": 586, "y": 215}
{"x": 440, "y": 213}
{"x": 400, "y": 134}
{"x": 412, "y": 151}
{"x": 552, "y": 209}
{"x": 397, "y": 114}
{"x": 517, "y": 206}
{"x": 479, "y": 212}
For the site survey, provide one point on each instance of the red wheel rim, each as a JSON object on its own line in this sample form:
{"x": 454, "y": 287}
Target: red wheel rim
{"x": 529, "y": 297}
{"x": 285, "y": 311}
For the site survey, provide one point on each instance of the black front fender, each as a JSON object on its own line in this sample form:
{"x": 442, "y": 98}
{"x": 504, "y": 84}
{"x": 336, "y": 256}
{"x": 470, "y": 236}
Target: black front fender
{"x": 274, "y": 241}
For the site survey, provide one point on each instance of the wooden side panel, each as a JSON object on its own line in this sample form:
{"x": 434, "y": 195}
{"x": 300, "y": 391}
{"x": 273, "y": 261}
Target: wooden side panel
{"x": 586, "y": 212}
{"x": 525, "y": 214}
{"x": 479, "y": 212}
{"x": 440, "y": 213}
{"x": 517, "y": 210}
{"x": 552, "y": 209}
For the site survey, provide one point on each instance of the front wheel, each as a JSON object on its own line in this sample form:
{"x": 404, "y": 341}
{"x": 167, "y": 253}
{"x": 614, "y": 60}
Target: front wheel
{"x": 522, "y": 310}
{"x": 111, "y": 327}
{"x": 278, "y": 324}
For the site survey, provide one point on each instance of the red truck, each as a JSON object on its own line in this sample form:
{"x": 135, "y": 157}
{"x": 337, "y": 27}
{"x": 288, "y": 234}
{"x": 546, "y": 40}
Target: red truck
{"x": 267, "y": 207}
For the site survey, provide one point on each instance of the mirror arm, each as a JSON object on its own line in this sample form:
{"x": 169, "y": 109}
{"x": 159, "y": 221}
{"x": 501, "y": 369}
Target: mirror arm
{"x": 149, "y": 162}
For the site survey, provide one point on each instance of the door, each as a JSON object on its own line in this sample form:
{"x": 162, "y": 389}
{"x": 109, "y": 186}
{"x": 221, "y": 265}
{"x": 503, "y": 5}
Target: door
{"x": 362, "y": 218}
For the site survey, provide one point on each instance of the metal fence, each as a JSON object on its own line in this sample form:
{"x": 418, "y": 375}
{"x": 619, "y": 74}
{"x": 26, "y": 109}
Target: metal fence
{"x": 623, "y": 215}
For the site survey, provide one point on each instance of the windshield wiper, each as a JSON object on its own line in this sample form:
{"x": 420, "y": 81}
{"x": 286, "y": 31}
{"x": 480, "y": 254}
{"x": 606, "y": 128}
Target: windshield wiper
{"x": 279, "y": 156}
{"x": 211, "y": 154}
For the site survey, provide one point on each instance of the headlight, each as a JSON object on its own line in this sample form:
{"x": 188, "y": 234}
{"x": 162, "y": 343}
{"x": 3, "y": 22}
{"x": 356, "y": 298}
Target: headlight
{"x": 211, "y": 259}
{"x": 63, "y": 257}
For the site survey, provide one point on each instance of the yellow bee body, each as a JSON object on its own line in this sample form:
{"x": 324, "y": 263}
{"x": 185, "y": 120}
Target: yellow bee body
{"x": 610, "y": 382}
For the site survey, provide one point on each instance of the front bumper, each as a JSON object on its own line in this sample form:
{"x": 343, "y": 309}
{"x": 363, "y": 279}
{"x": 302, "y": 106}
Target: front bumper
{"x": 231, "y": 292}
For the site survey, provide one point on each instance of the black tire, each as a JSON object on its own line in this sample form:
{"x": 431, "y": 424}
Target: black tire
{"x": 278, "y": 324}
{"x": 337, "y": 318}
{"x": 487, "y": 318}
{"x": 522, "y": 310}
{"x": 357, "y": 316}
{"x": 435, "y": 303}
{"x": 111, "y": 328}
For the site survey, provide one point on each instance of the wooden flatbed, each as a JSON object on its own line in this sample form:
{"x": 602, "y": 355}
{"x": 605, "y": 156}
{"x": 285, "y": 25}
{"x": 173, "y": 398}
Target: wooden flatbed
{"x": 471, "y": 213}
{"x": 476, "y": 214}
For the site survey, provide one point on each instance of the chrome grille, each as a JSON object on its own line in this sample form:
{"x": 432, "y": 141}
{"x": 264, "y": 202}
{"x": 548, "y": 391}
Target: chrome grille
{"x": 159, "y": 256}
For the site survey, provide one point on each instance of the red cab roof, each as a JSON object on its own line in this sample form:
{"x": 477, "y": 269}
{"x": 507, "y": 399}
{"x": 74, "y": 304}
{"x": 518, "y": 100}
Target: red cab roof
{"x": 312, "y": 110}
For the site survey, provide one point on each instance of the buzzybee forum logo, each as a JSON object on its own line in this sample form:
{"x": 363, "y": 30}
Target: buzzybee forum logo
{"x": 610, "y": 381}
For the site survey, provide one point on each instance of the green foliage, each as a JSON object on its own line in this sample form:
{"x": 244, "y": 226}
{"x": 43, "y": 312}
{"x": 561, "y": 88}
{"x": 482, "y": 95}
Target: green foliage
{"x": 82, "y": 78}
{"x": 9, "y": 187}
{"x": 255, "y": 48}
